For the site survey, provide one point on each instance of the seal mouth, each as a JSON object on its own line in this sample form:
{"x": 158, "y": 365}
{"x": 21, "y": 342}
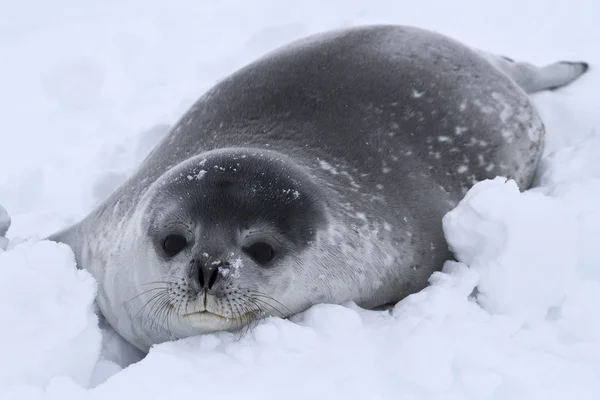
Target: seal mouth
{"x": 204, "y": 318}
{"x": 203, "y": 313}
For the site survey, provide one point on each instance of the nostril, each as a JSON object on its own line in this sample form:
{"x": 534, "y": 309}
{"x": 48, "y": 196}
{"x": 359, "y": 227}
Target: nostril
{"x": 213, "y": 277}
{"x": 208, "y": 275}
{"x": 201, "y": 277}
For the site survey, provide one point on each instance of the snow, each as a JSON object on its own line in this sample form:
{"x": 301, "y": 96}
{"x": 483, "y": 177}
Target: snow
{"x": 506, "y": 236}
{"x": 48, "y": 306}
{"x": 91, "y": 87}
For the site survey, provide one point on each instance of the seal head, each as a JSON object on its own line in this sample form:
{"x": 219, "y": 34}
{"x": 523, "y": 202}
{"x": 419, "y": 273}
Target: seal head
{"x": 225, "y": 232}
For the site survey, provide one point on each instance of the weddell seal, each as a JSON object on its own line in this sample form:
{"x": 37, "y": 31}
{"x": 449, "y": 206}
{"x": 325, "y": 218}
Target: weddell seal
{"x": 319, "y": 173}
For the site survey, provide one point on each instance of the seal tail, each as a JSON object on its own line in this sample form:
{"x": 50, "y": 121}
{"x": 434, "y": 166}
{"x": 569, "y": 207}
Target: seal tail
{"x": 534, "y": 79}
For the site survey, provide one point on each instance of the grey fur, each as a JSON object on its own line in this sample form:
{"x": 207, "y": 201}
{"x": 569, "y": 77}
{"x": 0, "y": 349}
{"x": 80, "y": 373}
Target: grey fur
{"x": 344, "y": 148}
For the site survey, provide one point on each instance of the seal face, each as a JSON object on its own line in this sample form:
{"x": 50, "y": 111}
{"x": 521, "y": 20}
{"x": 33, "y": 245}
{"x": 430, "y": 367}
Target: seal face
{"x": 222, "y": 231}
{"x": 220, "y": 237}
{"x": 319, "y": 173}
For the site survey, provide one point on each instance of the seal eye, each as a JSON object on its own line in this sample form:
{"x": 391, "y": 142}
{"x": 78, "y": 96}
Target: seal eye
{"x": 173, "y": 244}
{"x": 261, "y": 252}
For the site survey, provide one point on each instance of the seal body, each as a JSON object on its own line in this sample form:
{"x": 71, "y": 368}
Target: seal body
{"x": 319, "y": 173}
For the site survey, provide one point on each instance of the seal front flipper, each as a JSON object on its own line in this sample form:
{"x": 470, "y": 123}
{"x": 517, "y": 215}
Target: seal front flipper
{"x": 71, "y": 237}
{"x": 534, "y": 79}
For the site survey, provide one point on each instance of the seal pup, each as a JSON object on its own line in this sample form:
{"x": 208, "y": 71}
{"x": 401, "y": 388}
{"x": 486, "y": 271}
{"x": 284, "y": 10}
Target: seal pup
{"x": 318, "y": 173}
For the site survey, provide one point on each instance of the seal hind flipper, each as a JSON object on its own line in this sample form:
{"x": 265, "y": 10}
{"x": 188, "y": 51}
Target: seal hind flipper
{"x": 534, "y": 79}
{"x": 583, "y": 67}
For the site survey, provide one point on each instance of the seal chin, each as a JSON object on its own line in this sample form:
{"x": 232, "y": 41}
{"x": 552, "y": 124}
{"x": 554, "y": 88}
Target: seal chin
{"x": 209, "y": 322}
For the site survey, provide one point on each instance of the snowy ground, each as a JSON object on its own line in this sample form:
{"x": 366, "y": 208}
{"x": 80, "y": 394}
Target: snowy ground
{"x": 88, "y": 88}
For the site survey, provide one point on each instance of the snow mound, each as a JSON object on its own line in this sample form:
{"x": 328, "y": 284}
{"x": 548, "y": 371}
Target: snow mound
{"x": 573, "y": 175}
{"x": 49, "y": 328}
{"x": 515, "y": 241}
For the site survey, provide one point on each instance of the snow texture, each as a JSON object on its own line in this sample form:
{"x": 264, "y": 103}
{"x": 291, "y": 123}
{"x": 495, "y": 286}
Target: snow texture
{"x": 99, "y": 83}
{"x": 49, "y": 326}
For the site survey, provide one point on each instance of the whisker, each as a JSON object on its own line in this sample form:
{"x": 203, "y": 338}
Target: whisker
{"x": 155, "y": 315}
{"x": 259, "y": 294}
{"x": 240, "y": 318}
{"x": 153, "y": 298}
{"x": 141, "y": 294}
{"x": 171, "y": 297}
{"x": 260, "y": 303}
{"x": 250, "y": 321}
{"x": 158, "y": 299}
{"x": 176, "y": 280}
{"x": 166, "y": 314}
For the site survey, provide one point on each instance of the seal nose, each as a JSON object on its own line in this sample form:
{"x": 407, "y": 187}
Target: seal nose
{"x": 208, "y": 274}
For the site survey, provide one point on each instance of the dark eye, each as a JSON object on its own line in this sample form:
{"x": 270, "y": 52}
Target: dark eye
{"x": 173, "y": 244}
{"x": 261, "y": 252}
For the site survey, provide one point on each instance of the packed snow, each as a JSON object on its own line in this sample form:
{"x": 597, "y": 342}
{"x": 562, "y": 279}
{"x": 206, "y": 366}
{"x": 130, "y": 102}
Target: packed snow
{"x": 90, "y": 88}
{"x": 49, "y": 326}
